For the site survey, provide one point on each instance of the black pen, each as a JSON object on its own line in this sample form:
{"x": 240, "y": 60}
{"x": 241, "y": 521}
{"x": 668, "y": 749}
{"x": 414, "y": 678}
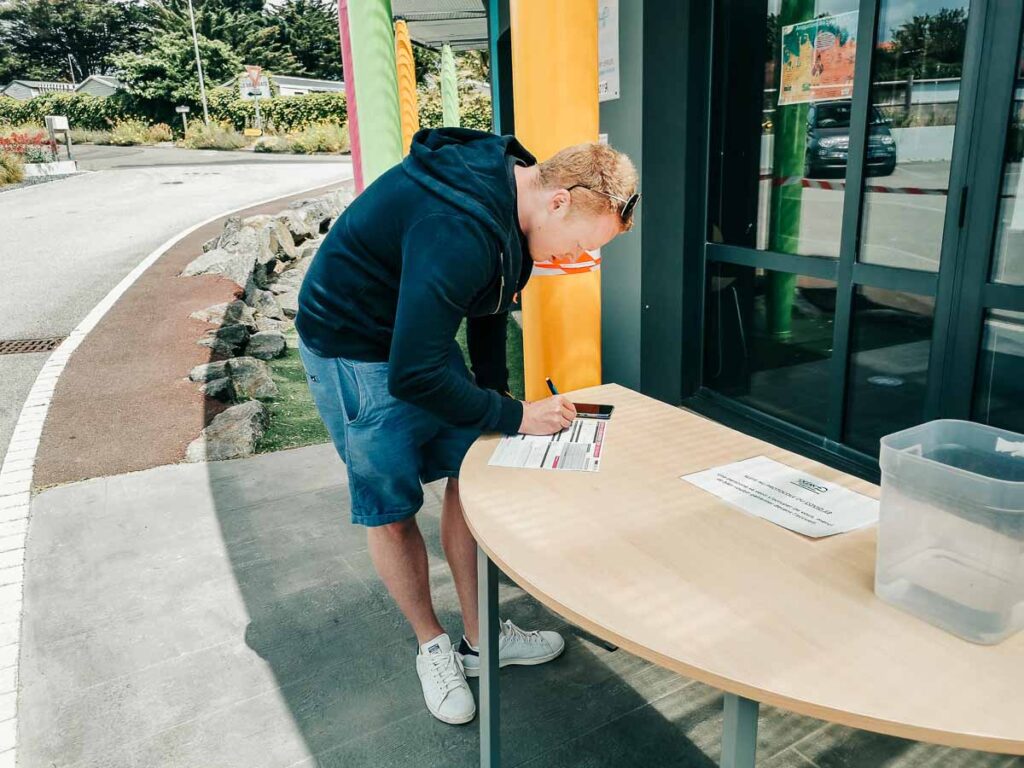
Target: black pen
{"x": 551, "y": 386}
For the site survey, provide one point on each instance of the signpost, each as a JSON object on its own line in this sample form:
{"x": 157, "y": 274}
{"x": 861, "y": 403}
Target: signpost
{"x": 55, "y": 124}
{"x": 257, "y": 87}
{"x": 183, "y": 111}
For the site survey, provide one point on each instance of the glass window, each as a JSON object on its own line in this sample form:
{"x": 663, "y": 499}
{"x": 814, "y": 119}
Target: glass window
{"x": 999, "y": 392}
{"x": 781, "y": 86}
{"x": 768, "y": 341}
{"x": 1008, "y": 263}
{"x": 915, "y": 91}
{"x": 889, "y": 349}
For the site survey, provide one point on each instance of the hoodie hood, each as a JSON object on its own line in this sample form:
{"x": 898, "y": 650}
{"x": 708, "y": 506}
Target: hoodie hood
{"x": 469, "y": 170}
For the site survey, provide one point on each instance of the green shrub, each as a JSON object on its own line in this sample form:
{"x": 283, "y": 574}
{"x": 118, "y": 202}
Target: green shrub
{"x": 12, "y": 169}
{"x": 128, "y": 133}
{"x": 281, "y": 113}
{"x": 272, "y": 144}
{"x": 160, "y": 132}
{"x": 213, "y": 136}
{"x": 82, "y": 110}
{"x": 474, "y": 109}
{"x": 38, "y": 155}
{"x": 321, "y": 137}
{"x": 90, "y": 137}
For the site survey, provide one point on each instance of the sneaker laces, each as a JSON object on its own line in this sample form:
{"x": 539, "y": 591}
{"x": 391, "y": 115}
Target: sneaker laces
{"x": 512, "y": 632}
{"x": 447, "y": 671}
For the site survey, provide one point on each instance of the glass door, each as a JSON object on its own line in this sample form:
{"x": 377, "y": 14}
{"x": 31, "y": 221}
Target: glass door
{"x": 985, "y": 345}
{"x": 847, "y": 206}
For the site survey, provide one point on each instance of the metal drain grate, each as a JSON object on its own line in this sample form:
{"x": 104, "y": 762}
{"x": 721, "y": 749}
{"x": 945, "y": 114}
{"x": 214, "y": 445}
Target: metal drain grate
{"x": 26, "y": 346}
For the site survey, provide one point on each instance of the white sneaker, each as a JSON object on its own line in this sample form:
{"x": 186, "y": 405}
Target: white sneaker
{"x": 445, "y": 689}
{"x": 515, "y": 646}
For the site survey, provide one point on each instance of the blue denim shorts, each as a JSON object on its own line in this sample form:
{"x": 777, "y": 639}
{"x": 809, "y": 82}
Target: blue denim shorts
{"x": 389, "y": 447}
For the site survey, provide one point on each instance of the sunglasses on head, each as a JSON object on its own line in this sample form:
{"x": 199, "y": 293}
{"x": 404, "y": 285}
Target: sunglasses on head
{"x": 628, "y": 204}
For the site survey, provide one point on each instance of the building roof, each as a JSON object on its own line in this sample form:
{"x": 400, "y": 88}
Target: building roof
{"x": 42, "y": 85}
{"x": 432, "y": 23}
{"x": 294, "y": 81}
{"x": 110, "y": 80}
{"x": 309, "y": 82}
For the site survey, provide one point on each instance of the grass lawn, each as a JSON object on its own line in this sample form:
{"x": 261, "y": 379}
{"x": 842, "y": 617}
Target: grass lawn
{"x": 294, "y": 421}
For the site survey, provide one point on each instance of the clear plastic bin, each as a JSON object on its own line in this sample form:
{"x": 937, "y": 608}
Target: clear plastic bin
{"x": 951, "y": 527}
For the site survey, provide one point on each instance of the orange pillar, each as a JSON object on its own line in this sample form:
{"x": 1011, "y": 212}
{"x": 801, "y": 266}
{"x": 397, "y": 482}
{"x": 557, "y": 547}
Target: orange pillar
{"x": 554, "y": 75}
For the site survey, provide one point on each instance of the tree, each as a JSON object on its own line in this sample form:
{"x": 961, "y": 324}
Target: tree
{"x": 165, "y": 75}
{"x": 232, "y": 22}
{"x": 931, "y": 45}
{"x": 309, "y": 30}
{"x": 37, "y": 36}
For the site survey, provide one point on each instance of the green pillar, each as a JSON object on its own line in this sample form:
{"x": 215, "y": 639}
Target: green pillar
{"x": 449, "y": 88}
{"x": 784, "y": 225}
{"x": 373, "y": 54}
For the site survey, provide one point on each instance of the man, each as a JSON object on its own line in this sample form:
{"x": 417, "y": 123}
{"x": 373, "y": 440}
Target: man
{"x": 450, "y": 233}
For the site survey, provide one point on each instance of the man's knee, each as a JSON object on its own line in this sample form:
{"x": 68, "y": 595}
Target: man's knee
{"x": 397, "y": 531}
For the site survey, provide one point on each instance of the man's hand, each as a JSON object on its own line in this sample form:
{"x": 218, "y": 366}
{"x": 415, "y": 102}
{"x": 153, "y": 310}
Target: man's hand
{"x": 545, "y": 417}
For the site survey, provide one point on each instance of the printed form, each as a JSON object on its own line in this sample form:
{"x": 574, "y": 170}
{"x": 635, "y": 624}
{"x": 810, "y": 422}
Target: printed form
{"x": 577, "y": 447}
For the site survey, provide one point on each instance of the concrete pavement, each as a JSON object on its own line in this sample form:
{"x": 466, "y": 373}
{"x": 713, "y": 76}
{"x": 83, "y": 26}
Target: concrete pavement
{"x": 67, "y": 243}
{"x": 228, "y": 615}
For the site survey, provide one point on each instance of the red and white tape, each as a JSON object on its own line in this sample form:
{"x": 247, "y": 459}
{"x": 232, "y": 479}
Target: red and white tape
{"x": 838, "y": 186}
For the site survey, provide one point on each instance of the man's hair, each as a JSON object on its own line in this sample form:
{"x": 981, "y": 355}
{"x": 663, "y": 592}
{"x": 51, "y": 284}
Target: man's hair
{"x": 597, "y": 167}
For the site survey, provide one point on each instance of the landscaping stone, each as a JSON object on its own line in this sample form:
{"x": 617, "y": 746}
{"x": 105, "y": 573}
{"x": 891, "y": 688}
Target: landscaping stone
{"x": 226, "y": 340}
{"x": 308, "y": 249}
{"x": 237, "y": 267}
{"x": 266, "y": 345}
{"x": 231, "y": 435}
{"x": 264, "y": 303}
{"x": 213, "y": 315}
{"x": 310, "y": 218}
{"x": 272, "y": 324}
{"x": 210, "y": 244}
{"x": 251, "y": 378}
{"x": 239, "y": 313}
{"x": 289, "y": 302}
{"x": 209, "y": 371}
{"x": 233, "y": 313}
{"x": 219, "y": 389}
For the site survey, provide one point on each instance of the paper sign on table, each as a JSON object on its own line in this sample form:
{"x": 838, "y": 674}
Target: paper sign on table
{"x": 577, "y": 447}
{"x": 788, "y": 497}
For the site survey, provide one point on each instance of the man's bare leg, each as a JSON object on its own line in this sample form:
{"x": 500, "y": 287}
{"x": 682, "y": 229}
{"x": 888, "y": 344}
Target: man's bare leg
{"x": 460, "y": 549}
{"x": 400, "y": 557}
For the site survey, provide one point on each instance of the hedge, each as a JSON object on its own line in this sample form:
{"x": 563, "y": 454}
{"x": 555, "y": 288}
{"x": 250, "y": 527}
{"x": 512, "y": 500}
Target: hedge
{"x": 96, "y": 113}
{"x": 282, "y": 113}
{"x": 85, "y": 112}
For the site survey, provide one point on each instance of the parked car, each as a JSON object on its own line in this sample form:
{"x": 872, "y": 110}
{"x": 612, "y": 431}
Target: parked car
{"x": 828, "y": 141}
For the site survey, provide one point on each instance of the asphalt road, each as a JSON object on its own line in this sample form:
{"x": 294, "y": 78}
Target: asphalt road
{"x": 99, "y": 158}
{"x": 65, "y": 244}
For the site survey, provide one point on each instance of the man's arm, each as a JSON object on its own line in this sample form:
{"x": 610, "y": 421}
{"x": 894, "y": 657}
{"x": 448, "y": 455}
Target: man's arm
{"x": 442, "y": 272}
{"x": 486, "y": 338}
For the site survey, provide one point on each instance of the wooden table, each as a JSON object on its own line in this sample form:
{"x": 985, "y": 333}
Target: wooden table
{"x": 670, "y": 573}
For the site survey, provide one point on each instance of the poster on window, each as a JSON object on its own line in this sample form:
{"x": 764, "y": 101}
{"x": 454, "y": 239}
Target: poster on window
{"x": 607, "y": 50}
{"x": 817, "y": 59}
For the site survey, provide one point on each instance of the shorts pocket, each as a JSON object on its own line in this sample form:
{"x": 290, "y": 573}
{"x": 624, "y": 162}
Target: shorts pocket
{"x": 364, "y": 385}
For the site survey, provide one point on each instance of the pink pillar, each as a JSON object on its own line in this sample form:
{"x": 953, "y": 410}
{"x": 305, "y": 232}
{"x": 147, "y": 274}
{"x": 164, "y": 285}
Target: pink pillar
{"x": 350, "y": 93}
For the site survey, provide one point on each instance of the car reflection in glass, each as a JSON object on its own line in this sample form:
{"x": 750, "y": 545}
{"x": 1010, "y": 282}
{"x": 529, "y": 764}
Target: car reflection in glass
{"x": 828, "y": 141}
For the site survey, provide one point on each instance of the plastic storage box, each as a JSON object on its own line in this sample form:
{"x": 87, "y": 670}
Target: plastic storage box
{"x": 951, "y": 527}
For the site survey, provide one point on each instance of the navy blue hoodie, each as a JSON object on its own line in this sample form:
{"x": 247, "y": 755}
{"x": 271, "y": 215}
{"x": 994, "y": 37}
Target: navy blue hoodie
{"x": 432, "y": 241}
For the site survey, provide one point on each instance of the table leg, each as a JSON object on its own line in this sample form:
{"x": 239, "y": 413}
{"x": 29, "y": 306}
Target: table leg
{"x": 490, "y": 705}
{"x": 739, "y": 736}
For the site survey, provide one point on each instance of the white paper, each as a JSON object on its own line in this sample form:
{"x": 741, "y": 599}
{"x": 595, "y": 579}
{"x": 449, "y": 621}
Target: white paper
{"x": 788, "y": 497}
{"x": 1012, "y": 447}
{"x": 607, "y": 50}
{"x": 578, "y": 447}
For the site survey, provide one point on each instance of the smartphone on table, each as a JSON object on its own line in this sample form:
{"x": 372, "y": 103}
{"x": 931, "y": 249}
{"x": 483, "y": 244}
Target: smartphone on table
{"x": 593, "y": 410}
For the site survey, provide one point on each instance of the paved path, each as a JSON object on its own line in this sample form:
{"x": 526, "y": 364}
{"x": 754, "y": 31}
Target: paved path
{"x": 67, "y": 243}
{"x": 228, "y": 615}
